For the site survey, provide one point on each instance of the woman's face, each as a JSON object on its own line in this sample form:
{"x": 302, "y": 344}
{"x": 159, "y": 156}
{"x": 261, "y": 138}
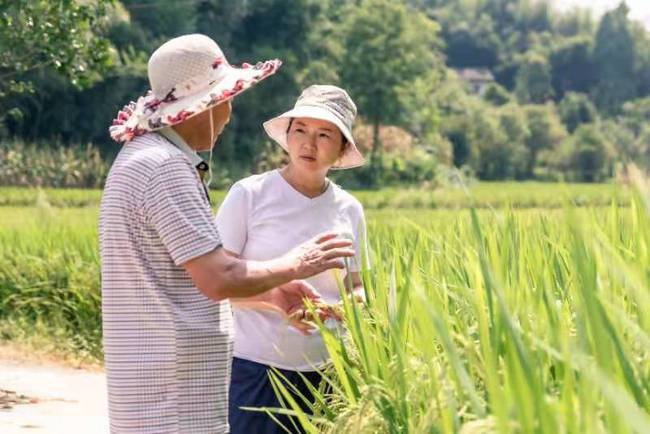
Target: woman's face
{"x": 314, "y": 144}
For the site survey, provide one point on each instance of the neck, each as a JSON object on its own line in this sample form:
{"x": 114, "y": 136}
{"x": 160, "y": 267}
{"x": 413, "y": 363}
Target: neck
{"x": 194, "y": 139}
{"x": 311, "y": 184}
{"x": 196, "y": 133}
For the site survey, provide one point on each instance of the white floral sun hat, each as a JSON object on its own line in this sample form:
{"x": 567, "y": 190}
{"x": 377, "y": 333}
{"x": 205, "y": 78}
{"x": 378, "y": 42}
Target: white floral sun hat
{"x": 187, "y": 75}
{"x": 324, "y": 102}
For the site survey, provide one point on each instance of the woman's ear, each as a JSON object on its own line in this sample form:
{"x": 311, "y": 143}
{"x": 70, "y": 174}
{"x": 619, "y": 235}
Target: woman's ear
{"x": 344, "y": 145}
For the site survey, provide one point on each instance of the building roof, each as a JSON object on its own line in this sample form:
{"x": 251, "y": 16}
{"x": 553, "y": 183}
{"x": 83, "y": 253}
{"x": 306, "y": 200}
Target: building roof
{"x": 475, "y": 74}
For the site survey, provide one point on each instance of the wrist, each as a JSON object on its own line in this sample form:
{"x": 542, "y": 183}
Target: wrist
{"x": 287, "y": 269}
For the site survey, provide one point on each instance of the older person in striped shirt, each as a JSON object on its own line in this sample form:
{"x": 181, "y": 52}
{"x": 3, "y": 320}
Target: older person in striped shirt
{"x": 166, "y": 280}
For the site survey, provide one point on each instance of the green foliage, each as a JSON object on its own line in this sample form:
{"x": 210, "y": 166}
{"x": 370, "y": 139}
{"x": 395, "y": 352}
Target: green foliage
{"x": 417, "y": 167}
{"x": 614, "y": 58}
{"x": 545, "y": 132}
{"x": 49, "y": 278}
{"x": 162, "y": 18}
{"x": 41, "y": 165}
{"x": 59, "y": 34}
{"x": 630, "y": 133}
{"x": 589, "y": 155}
{"x": 391, "y": 55}
{"x": 497, "y": 94}
{"x": 477, "y": 321}
{"x": 533, "y": 80}
{"x": 451, "y": 193}
{"x": 387, "y": 47}
{"x": 498, "y": 322}
{"x": 576, "y": 109}
{"x": 572, "y": 65}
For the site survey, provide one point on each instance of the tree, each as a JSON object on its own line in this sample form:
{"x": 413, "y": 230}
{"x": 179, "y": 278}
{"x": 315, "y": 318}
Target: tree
{"x": 471, "y": 43}
{"x": 576, "y": 109}
{"x": 589, "y": 158}
{"x": 545, "y": 132}
{"x": 38, "y": 36}
{"x": 572, "y": 65}
{"x": 265, "y": 29}
{"x": 513, "y": 123}
{"x": 492, "y": 145}
{"x": 641, "y": 37}
{"x": 58, "y": 34}
{"x": 533, "y": 80}
{"x": 614, "y": 57}
{"x": 162, "y": 18}
{"x": 575, "y": 22}
{"x": 497, "y": 94}
{"x": 387, "y": 46}
{"x": 630, "y": 133}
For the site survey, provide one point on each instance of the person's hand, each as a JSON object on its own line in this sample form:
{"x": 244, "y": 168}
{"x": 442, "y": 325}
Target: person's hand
{"x": 291, "y": 296}
{"x": 304, "y": 319}
{"x": 290, "y": 299}
{"x": 321, "y": 253}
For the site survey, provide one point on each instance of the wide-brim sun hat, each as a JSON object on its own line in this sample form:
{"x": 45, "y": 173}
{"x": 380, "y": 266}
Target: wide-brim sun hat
{"x": 323, "y": 102}
{"x": 188, "y": 75}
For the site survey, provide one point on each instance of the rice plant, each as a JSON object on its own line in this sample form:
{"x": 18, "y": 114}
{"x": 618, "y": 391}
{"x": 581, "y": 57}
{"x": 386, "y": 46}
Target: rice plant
{"x": 497, "y": 320}
{"x": 517, "y": 195}
{"x": 496, "y": 323}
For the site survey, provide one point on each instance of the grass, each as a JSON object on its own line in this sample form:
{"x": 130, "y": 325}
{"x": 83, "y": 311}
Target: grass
{"x": 49, "y": 279}
{"x": 508, "y": 322}
{"x": 478, "y": 321}
{"x": 485, "y": 194}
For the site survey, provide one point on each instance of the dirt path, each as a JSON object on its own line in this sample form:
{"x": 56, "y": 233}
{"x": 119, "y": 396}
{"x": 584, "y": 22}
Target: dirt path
{"x": 48, "y": 398}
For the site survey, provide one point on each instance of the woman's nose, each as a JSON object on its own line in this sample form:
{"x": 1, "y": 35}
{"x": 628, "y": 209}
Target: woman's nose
{"x": 310, "y": 141}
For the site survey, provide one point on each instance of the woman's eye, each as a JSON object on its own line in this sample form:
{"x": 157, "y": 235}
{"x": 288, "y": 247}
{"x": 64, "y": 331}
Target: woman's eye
{"x": 299, "y": 130}
{"x": 325, "y": 135}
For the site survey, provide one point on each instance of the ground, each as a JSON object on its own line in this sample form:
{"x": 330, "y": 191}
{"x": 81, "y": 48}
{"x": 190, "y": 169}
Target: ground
{"x": 48, "y": 396}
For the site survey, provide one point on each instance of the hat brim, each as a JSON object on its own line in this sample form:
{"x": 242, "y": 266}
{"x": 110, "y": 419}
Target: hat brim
{"x": 276, "y": 129}
{"x": 149, "y": 114}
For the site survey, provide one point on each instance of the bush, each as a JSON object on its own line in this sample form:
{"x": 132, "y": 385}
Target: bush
{"x": 589, "y": 158}
{"x": 419, "y": 166}
{"x": 41, "y": 166}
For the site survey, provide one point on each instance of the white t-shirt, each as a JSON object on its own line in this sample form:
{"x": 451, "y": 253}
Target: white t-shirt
{"x": 264, "y": 217}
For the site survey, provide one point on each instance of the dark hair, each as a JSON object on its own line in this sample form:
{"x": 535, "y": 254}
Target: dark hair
{"x": 344, "y": 140}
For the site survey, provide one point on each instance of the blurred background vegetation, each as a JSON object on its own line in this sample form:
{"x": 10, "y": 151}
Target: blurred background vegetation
{"x": 493, "y": 89}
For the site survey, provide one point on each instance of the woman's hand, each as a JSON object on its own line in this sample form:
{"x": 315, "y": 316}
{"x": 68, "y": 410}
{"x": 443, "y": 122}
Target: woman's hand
{"x": 287, "y": 300}
{"x": 291, "y": 296}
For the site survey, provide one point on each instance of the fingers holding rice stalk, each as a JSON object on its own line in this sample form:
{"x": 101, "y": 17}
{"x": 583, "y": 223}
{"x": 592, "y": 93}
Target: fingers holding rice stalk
{"x": 306, "y": 320}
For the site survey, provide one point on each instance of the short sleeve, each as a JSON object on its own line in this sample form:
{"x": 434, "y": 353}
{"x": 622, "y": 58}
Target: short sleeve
{"x": 361, "y": 259}
{"x": 232, "y": 219}
{"x": 176, "y": 206}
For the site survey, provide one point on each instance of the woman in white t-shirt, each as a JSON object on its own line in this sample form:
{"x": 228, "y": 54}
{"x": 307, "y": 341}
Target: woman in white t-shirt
{"x": 266, "y": 215}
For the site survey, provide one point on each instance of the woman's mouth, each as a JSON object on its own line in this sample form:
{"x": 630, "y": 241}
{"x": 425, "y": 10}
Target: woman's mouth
{"x": 307, "y": 158}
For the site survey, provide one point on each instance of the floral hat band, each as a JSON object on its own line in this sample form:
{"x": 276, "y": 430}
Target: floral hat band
{"x": 188, "y": 75}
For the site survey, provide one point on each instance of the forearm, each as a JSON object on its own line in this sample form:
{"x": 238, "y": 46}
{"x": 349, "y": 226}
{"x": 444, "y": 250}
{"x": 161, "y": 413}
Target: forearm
{"x": 261, "y": 297}
{"x": 220, "y": 276}
{"x": 249, "y": 280}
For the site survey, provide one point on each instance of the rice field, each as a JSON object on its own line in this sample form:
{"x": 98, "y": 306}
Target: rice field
{"x": 484, "y": 195}
{"x": 502, "y": 318}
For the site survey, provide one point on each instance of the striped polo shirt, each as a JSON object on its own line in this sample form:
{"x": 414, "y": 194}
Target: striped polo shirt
{"x": 167, "y": 347}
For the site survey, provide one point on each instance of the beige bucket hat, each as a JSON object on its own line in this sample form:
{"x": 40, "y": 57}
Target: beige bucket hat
{"x": 324, "y": 102}
{"x": 187, "y": 75}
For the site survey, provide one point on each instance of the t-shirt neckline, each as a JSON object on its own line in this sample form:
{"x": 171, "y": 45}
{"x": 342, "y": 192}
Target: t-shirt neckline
{"x": 300, "y": 195}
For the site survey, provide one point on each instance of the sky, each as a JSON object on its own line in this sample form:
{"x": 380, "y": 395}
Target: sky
{"x": 639, "y": 9}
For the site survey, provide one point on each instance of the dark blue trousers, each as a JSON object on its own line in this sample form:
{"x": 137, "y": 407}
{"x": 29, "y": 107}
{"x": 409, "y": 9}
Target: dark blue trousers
{"x": 250, "y": 386}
